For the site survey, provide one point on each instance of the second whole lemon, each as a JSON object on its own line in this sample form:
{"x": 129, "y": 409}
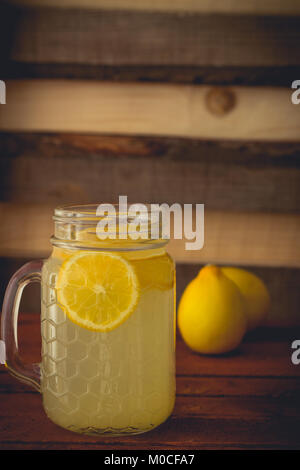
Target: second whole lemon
{"x": 255, "y": 293}
{"x": 211, "y": 313}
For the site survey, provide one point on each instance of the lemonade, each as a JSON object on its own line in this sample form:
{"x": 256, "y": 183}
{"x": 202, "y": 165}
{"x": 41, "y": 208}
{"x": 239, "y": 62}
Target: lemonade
{"x": 108, "y": 339}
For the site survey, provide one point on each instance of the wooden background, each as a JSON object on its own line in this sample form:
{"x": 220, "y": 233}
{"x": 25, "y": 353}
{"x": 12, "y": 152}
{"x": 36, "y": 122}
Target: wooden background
{"x": 184, "y": 101}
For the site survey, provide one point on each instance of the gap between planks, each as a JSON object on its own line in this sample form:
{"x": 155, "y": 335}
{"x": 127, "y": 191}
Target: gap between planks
{"x": 273, "y": 7}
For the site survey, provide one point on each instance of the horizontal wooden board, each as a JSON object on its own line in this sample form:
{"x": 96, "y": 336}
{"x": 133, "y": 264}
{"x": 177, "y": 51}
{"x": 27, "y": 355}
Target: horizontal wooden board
{"x": 265, "y": 353}
{"x": 68, "y": 168}
{"x": 188, "y": 6}
{"x": 257, "y": 239}
{"x": 107, "y": 37}
{"x": 239, "y": 113}
{"x": 245, "y": 238}
{"x": 287, "y": 387}
{"x": 197, "y": 386}
{"x": 249, "y": 399}
{"x": 27, "y": 427}
{"x": 152, "y": 68}
{"x": 234, "y": 386}
{"x": 222, "y": 408}
{"x": 259, "y": 359}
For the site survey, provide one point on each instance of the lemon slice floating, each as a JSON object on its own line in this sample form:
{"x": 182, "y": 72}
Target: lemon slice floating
{"x": 155, "y": 272}
{"x": 98, "y": 291}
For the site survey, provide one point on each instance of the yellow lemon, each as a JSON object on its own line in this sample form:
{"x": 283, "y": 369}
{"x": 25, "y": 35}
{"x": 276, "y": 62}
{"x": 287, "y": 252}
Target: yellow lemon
{"x": 98, "y": 291}
{"x": 255, "y": 293}
{"x": 211, "y": 313}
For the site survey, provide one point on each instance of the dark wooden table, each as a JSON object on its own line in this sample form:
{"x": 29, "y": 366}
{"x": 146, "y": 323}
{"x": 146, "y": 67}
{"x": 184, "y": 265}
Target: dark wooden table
{"x": 249, "y": 399}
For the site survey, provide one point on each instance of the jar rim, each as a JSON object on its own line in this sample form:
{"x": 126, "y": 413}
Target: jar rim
{"x": 77, "y": 224}
{"x": 88, "y": 212}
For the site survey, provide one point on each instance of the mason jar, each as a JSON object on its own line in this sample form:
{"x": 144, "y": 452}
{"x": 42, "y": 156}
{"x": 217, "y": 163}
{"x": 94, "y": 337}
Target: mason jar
{"x": 107, "y": 326}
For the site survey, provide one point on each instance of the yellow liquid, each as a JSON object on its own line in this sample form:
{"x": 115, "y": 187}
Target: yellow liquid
{"x": 118, "y": 382}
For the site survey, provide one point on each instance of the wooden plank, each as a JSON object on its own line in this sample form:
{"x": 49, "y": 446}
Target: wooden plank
{"x": 237, "y": 401}
{"x": 236, "y": 408}
{"x": 252, "y": 359}
{"x": 194, "y": 425}
{"x": 257, "y": 239}
{"x": 107, "y": 37}
{"x": 264, "y": 357}
{"x": 256, "y": 7}
{"x": 214, "y": 408}
{"x": 150, "y": 109}
{"x": 235, "y": 176}
{"x": 271, "y": 387}
{"x": 234, "y": 387}
{"x": 245, "y": 238}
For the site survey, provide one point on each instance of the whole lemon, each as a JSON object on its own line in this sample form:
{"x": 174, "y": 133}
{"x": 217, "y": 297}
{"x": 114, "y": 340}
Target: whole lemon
{"x": 255, "y": 293}
{"x": 211, "y": 313}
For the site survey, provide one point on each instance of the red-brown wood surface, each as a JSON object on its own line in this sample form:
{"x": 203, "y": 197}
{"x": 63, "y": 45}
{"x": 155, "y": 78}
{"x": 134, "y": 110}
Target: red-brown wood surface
{"x": 249, "y": 399}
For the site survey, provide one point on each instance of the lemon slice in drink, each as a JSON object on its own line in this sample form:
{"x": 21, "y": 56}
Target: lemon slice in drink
{"x": 155, "y": 272}
{"x": 98, "y": 291}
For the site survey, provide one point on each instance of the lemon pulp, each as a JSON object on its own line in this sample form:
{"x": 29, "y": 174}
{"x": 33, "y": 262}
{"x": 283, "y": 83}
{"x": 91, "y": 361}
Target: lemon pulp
{"x": 97, "y": 290}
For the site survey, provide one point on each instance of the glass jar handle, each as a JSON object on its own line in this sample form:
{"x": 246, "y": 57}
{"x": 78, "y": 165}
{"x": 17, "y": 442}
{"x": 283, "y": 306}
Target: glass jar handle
{"x": 9, "y": 354}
